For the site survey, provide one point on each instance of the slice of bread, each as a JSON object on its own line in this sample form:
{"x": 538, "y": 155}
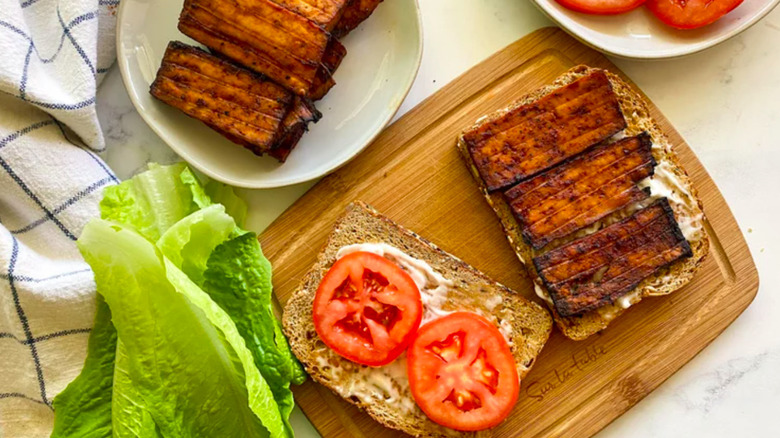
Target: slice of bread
{"x": 384, "y": 392}
{"x": 669, "y": 180}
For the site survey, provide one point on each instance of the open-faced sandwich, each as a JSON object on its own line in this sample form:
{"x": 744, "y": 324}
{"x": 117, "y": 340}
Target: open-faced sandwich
{"x": 591, "y": 197}
{"x": 421, "y": 341}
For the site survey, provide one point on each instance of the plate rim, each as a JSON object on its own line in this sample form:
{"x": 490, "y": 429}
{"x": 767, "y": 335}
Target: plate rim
{"x": 685, "y": 51}
{"x": 122, "y": 61}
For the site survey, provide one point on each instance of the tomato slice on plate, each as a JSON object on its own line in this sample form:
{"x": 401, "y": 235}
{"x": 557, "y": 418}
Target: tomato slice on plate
{"x": 462, "y": 373}
{"x": 601, "y": 7}
{"x": 691, "y": 14}
{"x": 367, "y": 309}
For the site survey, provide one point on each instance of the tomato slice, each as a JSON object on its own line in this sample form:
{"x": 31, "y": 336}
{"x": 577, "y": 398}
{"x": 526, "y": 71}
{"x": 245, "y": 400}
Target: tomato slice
{"x": 367, "y": 309}
{"x": 462, "y": 373}
{"x": 601, "y": 7}
{"x": 691, "y": 14}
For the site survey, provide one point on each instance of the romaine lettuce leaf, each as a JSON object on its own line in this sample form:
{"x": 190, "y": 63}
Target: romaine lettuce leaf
{"x": 190, "y": 242}
{"x": 187, "y": 360}
{"x": 225, "y": 195}
{"x": 129, "y": 416}
{"x": 215, "y": 193}
{"x": 151, "y": 201}
{"x": 83, "y": 408}
{"x": 170, "y": 206}
{"x": 238, "y": 279}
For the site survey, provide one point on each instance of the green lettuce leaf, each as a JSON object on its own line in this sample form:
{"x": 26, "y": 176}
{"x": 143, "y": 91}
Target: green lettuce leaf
{"x": 129, "y": 416}
{"x": 83, "y": 408}
{"x": 169, "y": 205}
{"x": 190, "y": 242}
{"x": 154, "y": 200}
{"x": 186, "y": 358}
{"x": 151, "y": 202}
{"x": 238, "y": 279}
{"x": 199, "y": 196}
{"x": 215, "y": 193}
{"x": 225, "y": 195}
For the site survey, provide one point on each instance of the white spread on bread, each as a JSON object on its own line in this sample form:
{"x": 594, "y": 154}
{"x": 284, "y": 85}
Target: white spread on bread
{"x": 492, "y": 302}
{"x": 611, "y": 311}
{"x": 541, "y": 292}
{"x": 666, "y": 183}
{"x": 432, "y": 285}
{"x": 389, "y": 383}
{"x": 620, "y": 135}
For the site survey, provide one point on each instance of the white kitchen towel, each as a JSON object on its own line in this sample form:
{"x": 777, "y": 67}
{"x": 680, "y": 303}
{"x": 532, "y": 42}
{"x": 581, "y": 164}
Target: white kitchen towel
{"x": 53, "y": 54}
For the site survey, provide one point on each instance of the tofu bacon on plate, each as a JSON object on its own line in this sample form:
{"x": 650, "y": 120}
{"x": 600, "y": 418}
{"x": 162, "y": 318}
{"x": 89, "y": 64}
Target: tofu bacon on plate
{"x": 289, "y": 48}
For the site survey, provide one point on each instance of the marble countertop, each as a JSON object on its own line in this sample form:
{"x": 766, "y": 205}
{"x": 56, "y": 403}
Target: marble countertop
{"x": 724, "y": 101}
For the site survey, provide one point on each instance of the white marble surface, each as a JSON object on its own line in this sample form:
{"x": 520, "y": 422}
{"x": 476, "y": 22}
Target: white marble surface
{"x": 725, "y": 102}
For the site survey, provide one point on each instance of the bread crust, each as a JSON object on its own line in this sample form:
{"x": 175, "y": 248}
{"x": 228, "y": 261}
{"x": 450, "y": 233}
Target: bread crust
{"x": 687, "y": 207}
{"x": 531, "y": 324}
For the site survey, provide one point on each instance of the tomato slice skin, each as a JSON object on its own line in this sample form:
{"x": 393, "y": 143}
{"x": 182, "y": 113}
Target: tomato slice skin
{"x": 601, "y": 7}
{"x": 462, "y": 373}
{"x": 691, "y": 14}
{"x": 367, "y": 309}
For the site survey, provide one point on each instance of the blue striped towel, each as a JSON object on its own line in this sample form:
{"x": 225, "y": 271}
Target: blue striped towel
{"x": 54, "y": 54}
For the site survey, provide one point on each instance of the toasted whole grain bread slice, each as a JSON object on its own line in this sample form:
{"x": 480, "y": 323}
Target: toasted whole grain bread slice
{"x": 669, "y": 180}
{"x": 385, "y": 394}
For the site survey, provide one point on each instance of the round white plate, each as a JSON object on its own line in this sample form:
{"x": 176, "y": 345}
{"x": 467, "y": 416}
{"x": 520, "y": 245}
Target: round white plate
{"x": 639, "y": 35}
{"x": 383, "y": 56}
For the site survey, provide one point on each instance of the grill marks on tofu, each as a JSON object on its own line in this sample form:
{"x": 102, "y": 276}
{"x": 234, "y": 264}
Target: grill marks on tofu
{"x": 598, "y": 269}
{"x": 234, "y": 101}
{"x": 583, "y": 190}
{"x": 534, "y": 137}
{"x": 326, "y": 13}
{"x": 261, "y": 35}
{"x": 292, "y": 128}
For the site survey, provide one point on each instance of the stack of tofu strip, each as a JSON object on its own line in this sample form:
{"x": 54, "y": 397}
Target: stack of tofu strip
{"x": 591, "y": 196}
{"x": 269, "y": 61}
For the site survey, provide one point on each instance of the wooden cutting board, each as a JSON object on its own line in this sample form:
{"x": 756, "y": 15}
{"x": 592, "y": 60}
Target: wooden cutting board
{"x": 413, "y": 174}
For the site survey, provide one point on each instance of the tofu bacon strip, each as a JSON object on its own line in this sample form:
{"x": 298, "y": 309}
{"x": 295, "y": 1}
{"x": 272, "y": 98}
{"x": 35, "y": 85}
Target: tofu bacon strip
{"x": 602, "y": 267}
{"x": 260, "y": 35}
{"x": 232, "y": 100}
{"x": 583, "y": 190}
{"x": 532, "y": 138}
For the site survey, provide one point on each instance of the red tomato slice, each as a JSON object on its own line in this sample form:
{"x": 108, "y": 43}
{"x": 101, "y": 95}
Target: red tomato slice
{"x": 462, "y": 373}
{"x": 601, "y": 7}
{"x": 367, "y": 309}
{"x": 690, "y": 14}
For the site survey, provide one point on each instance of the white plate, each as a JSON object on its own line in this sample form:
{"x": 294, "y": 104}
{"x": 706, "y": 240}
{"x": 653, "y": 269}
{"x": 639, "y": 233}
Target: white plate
{"x": 638, "y": 34}
{"x": 383, "y": 56}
